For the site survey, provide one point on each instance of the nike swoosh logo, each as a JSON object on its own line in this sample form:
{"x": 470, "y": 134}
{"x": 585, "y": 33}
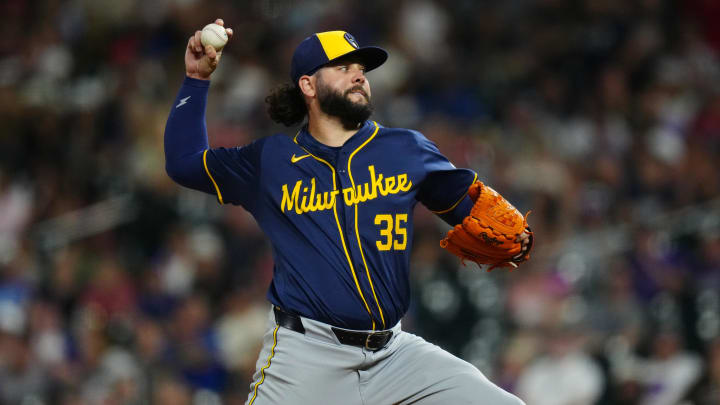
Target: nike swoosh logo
{"x": 295, "y": 159}
{"x": 183, "y": 101}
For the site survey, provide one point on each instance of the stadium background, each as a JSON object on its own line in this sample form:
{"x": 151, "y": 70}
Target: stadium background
{"x": 602, "y": 116}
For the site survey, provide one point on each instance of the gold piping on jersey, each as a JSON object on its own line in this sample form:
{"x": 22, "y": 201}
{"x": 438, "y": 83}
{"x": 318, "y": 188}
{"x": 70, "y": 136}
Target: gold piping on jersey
{"x": 452, "y": 207}
{"x": 262, "y": 370}
{"x": 220, "y": 199}
{"x": 357, "y": 231}
{"x": 340, "y": 231}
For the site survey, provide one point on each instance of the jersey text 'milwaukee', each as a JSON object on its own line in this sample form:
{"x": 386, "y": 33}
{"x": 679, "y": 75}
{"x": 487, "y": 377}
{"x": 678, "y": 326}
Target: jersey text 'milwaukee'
{"x": 310, "y": 200}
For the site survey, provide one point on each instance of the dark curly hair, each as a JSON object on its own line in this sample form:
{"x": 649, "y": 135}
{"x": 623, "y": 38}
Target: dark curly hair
{"x": 286, "y": 105}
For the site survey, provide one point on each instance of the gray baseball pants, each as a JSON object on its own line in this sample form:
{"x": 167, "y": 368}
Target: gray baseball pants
{"x": 314, "y": 368}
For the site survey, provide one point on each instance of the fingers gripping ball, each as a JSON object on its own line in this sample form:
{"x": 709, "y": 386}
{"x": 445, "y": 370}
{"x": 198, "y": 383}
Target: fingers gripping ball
{"x": 215, "y": 35}
{"x": 491, "y": 233}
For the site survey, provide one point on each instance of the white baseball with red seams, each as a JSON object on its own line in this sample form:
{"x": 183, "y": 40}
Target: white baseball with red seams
{"x": 215, "y": 35}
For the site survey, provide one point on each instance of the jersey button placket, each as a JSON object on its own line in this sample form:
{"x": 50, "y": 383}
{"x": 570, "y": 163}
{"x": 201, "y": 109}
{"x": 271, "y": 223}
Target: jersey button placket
{"x": 344, "y": 210}
{"x": 349, "y": 209}
{"x": 342, "y": 164}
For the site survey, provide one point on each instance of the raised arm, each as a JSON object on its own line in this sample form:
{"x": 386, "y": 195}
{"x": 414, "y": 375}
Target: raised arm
{"x": 186, "y": 132}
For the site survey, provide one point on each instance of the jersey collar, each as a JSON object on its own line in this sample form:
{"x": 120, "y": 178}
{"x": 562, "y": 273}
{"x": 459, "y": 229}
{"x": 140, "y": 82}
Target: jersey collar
{"x": 307, "y": 141}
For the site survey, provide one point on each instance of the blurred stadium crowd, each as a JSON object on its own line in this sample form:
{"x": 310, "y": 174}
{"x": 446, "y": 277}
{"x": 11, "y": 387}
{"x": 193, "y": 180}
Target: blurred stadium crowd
{"x": 602, "y": 116}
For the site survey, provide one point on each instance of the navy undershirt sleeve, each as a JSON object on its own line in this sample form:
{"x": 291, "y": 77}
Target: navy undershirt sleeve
{"x": 457, "y": 214}
{"x": 186, "y": 137}
{"x": 231, "y": 174}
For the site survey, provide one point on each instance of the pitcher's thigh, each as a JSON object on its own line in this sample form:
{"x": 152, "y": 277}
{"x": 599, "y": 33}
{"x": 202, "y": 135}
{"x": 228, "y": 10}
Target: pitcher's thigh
{"x": 419, "y": 372}
{"x": 292, "y": 369}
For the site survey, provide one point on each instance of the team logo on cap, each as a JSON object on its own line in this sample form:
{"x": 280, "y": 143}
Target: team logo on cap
{"x": 351, "y": 40}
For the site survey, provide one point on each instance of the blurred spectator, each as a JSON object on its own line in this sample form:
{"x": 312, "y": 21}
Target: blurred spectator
{"x": 23, "y": 379}
{"x": 169, "y": 391}
{"x": 617, "y": 312}
{"x": 566, "y": 375}
{"x": 707, "y": 390}
{"x": 670, "y": 371}
{"x": 194, "y": 346}
{"x": 240, "y": 330}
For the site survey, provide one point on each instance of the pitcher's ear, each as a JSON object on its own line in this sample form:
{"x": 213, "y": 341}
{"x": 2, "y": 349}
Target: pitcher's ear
{"x": 306, "y": 84}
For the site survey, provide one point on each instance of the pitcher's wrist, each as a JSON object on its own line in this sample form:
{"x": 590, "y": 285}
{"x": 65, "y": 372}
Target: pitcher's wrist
{"x": 196, "y": 76}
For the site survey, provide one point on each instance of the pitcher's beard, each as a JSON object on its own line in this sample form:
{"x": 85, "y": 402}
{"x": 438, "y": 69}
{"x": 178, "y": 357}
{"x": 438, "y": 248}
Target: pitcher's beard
{"x": 337, "y": 104}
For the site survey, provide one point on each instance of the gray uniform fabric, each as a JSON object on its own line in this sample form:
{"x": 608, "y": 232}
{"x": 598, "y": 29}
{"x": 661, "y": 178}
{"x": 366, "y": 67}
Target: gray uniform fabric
{"x": 314, "y": 368}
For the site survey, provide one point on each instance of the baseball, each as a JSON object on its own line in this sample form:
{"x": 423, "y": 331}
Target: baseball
{"x": 215, "y": 35}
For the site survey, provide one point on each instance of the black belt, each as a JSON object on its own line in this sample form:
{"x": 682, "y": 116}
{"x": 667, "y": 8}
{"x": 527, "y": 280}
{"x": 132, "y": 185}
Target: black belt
{"x": 373, "y": 341}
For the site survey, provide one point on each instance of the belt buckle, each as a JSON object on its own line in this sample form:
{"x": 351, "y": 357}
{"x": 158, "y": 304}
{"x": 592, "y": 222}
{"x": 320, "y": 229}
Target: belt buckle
{"x": 383, "y": 334}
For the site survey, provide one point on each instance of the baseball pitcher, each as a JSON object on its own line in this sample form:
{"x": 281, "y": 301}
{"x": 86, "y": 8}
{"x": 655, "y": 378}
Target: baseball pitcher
{"x": 336, "y": 202}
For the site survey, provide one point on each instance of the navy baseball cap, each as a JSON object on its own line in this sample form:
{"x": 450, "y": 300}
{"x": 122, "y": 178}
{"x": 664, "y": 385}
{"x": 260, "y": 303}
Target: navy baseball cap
{"x": 322, "y": 48}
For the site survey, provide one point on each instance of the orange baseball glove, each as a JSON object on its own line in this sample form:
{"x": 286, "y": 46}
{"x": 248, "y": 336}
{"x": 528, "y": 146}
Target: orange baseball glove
{"x": 495, "y": 233}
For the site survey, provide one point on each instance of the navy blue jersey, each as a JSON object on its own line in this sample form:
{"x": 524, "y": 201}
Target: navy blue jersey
{"x": 339, "y": 219}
